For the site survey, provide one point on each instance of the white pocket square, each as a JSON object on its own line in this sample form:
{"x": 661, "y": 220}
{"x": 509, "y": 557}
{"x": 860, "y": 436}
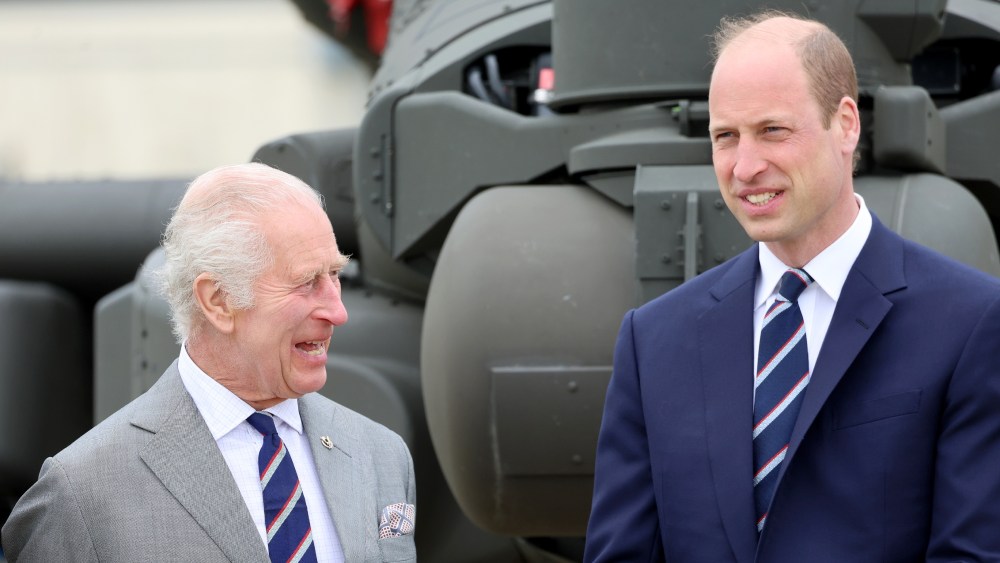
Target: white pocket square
{"x": 397, "y": 520}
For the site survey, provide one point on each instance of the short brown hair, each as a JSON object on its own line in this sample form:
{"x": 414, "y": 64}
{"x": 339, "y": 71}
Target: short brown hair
{"x": 824, "y": 57}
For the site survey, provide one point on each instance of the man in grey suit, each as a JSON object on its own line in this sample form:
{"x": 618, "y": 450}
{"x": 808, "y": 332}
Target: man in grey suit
{"x": 186, "y": 472}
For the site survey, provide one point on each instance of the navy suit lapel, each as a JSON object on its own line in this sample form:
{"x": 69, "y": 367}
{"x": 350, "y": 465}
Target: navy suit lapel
{"x": 861, "y": 308}
{"x": 725, "y": 333}
{"x": 185, "y": 458}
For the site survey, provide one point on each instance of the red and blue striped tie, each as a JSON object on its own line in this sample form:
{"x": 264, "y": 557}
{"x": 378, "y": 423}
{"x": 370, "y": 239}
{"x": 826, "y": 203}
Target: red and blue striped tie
{"x": 782, "y": 376}
{"x": 289, "y": 535}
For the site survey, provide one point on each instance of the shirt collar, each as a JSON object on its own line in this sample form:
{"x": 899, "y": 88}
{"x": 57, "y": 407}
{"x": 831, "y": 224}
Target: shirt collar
{"x": 222, "y": 410}
{"x": 829, "y": 268}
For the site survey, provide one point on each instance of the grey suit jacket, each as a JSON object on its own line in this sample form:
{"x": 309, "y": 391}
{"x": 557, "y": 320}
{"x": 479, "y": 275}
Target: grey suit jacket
{"x": 150, "y": 484}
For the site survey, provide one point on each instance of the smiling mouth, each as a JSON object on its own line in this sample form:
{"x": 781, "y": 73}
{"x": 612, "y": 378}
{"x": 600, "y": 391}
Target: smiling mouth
{"x": 314, "y": 348}
{"x": 761, "y": 199}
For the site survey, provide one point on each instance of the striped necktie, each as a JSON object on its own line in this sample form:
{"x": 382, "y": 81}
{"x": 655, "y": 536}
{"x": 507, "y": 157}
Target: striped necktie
{"x": 289, "y": 535}
{"x": 779, "y": 386}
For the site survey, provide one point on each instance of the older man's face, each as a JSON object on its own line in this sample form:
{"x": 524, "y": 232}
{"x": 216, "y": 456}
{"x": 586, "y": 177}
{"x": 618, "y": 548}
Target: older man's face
{"x": 782, "y": 173}
{"x": 282, "y": 342}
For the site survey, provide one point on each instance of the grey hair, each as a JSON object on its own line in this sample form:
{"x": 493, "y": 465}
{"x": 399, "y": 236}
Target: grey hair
{"x": 216, "y": 230}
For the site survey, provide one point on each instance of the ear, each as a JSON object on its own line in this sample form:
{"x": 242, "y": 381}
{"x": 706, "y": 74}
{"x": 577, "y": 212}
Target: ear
{"x": 213, "y": 303}
{"x": 848, "y": 118}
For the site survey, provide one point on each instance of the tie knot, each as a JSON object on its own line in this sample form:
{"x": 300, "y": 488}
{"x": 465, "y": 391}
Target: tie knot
{"x": 263, "y": 423}
{"x": 793, "y": 283}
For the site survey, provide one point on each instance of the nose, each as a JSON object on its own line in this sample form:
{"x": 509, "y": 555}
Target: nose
{"x": 749, "y": 162}
{"x": 331, "y": 308}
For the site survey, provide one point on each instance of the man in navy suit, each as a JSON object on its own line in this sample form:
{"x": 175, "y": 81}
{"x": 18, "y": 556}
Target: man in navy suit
{"x": 894, "y": 452}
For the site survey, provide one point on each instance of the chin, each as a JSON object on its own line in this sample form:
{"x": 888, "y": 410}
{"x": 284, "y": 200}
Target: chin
{"x": 309, "y": 383}
{"x": 762, "y": 231}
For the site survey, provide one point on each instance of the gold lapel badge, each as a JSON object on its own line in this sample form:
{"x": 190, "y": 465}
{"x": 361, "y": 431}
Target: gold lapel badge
{"x": 326, "y": 441}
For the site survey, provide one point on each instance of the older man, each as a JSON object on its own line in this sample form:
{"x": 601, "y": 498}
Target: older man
{"x": 232, "y": 455}
{"x": 831, "y": 394}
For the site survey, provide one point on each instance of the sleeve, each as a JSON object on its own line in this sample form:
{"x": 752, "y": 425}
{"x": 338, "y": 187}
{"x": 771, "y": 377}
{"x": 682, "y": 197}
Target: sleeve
{"x": 47, "y": 523}
{"x": 623, "y": 521}
{"x": 966, "y": 509}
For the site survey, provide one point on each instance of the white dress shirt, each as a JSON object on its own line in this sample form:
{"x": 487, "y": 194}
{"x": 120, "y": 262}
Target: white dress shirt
{"x": 226, "y": 417}
{"x": 817, "y": 302}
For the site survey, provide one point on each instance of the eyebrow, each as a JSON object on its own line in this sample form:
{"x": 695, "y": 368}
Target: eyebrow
{"x": 765, "y": 122}
{"x": 338, "y": 265}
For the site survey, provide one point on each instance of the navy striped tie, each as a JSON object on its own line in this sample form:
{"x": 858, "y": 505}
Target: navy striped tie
{"x": 289, "y": 535}
{"x": 782, "y": 376}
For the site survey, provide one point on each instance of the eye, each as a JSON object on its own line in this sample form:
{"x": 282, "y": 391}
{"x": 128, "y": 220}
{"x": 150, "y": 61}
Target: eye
{"x": 311, "y": 282}
{"x": 723, "y": 138}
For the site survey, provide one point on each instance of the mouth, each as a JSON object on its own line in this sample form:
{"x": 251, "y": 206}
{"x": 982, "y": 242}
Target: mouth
{"x": 761, "y": 198}
{"x": 313, "y": 348}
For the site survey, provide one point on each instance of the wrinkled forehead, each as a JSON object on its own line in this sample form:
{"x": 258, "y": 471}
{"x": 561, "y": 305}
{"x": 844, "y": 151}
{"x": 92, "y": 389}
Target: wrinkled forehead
{"x": 296, "y": 219}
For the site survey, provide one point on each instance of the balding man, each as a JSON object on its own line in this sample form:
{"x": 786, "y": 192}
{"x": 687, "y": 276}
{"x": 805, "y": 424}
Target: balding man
{"x": 232, "y": 455}
{"x": 831, "y": 394}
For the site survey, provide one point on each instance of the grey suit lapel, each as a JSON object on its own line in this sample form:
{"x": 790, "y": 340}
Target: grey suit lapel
{"x": 726, "y": 347}
{"x": 341, "y": 471}
{"x": 185, "y": 458}
{"x": 861, "y": 308}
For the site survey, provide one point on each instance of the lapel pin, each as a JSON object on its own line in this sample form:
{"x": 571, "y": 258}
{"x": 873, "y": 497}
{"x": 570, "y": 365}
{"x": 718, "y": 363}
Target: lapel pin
{"x": 326, "y": 441}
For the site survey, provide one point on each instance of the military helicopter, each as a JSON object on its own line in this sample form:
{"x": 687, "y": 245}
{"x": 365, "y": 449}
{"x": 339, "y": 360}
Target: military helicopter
{"x": 525, "y": 172}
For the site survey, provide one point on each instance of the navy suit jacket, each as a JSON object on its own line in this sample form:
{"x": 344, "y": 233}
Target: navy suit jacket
{"x": 896, "y": 452}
